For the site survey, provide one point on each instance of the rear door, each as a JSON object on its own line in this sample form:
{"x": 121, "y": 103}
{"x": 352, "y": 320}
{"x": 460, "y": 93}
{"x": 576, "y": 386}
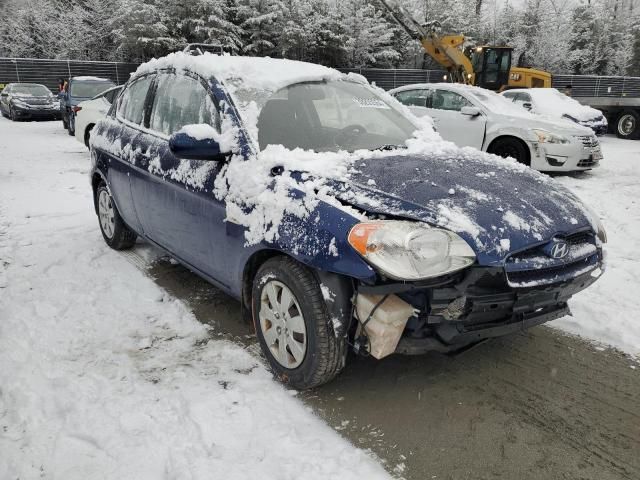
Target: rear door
{"x": 463, "y": 130}
{"x": 173, "y": 197}
{"x": 127, "y": 147}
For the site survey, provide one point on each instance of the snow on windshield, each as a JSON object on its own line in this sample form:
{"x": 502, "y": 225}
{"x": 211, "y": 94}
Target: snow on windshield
{"x": 550, "y": 101}
{"x": 34, "y": 90}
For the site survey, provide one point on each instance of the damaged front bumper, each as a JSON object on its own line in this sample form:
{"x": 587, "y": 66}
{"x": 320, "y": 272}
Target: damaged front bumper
{"x": 478, "y": 304}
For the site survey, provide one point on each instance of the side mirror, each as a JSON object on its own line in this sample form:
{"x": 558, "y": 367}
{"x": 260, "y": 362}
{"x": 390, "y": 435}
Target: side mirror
{"x": 471, "y": 111}
{"x": 196, "y": 142}
{"x": 528, "y": 106}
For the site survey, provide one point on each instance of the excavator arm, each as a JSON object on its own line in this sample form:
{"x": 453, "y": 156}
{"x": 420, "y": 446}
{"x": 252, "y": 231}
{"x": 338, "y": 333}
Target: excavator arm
{"x": 446, "y": 50}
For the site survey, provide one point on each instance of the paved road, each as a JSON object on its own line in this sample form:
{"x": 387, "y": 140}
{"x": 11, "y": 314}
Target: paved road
{"x": 539, "y": 405}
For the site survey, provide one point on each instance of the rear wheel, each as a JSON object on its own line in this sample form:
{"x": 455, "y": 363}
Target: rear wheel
{"x": 115, "y": 233}
{"x": 511, "y": 147}
{"x": 293, "y": 325}
{"x": 628, "y": 125}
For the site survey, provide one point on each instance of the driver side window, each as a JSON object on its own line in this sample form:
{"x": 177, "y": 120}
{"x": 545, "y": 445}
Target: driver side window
{"x": 446, "y": 100}
{"x": 181, "y": 100}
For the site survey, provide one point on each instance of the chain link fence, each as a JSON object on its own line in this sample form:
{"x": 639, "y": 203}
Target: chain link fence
{"x": 48, "y": 72}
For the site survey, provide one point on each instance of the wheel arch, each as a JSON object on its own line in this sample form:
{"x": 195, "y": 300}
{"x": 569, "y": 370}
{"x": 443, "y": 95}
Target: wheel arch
{"x": 88, "y": 129}
{"x": 511, "y": 137}
{"x": 340, "y": 287}
{"x": 96, "y": 179}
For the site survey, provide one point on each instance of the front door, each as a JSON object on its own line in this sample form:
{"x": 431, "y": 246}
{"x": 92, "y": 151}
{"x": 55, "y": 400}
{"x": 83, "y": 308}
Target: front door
{"x": 446, "y": 111}
{"x": 174, "y": 198}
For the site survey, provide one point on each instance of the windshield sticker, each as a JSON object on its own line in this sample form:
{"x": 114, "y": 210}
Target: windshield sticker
{"x": 370, "y": 103}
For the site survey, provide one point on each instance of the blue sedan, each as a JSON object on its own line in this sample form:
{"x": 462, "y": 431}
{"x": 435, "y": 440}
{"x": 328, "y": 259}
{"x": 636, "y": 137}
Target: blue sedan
{"x": 336, "y": 217}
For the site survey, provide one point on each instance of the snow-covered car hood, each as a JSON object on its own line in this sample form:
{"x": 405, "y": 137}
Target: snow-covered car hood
{"x": 497, "y": 207}
{"x": 555, "y": 125}
{"x": 33, "y": 99}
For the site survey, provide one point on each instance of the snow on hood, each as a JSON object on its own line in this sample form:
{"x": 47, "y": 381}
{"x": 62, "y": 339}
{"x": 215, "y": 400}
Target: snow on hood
{"x": 497, "y": 206}
{"x": 550, "y": 101}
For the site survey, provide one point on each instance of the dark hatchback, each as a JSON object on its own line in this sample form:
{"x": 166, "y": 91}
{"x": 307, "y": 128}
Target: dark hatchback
{"x": 29, "y": 101}
{"x": 308, "y": 195}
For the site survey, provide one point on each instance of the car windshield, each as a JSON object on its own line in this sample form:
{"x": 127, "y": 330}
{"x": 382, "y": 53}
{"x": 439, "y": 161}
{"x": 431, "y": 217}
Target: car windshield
{"x": 31, "y": 89}
{"x": 89, "y": 89}
{"x": 328, "y": 116}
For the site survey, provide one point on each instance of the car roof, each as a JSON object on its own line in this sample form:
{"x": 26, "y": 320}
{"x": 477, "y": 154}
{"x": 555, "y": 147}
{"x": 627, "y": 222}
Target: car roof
{"x": 91, "y": 79}
{"x": 260, "y": 73}
{"x": 26, "y": 84}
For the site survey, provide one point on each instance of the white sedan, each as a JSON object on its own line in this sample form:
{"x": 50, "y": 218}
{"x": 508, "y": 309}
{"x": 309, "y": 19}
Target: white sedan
{"x": 550, "y": 102}
{"x": 475, "y": 117}
{"x": 90, "y": 111}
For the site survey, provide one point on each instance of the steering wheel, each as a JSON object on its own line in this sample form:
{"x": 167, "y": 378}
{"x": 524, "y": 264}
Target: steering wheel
{"x": 349, "y": 132}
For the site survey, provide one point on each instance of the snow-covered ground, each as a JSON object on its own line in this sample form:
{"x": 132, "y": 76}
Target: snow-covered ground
{"x": 608, "y": 311}
{"x": 104, "y": 375}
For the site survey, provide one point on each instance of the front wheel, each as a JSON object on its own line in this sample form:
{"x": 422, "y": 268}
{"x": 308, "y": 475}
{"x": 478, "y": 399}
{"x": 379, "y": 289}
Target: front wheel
{"x": 510, "y": 147}
{"x": 12, "y": 116}
{"x": 115, "y": 233}
{"x": 293, "y": 325}
{"x": 628, "y": 125}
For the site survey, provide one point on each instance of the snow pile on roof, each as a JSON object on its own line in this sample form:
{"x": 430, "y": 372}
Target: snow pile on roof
{"x": 257, "y": 73}
{"x": 91, "y": 79}
{"x": 549, "y": 101}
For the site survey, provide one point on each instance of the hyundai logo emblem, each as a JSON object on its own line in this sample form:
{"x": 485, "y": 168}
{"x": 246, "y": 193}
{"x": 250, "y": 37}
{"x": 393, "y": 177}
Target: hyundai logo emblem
{"x": 560, "y": 249}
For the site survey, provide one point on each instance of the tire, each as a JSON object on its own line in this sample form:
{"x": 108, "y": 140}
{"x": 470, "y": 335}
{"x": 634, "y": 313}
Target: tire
{"x": 323, "y": 352}
{"x": 72, "y": 126}
{"x": 11, "y": 115}
{"x": 115, "y": 233}
{"x": 628, "y": 125}
{"x": 510, "y": 147}
{"x": 87, "y": 135}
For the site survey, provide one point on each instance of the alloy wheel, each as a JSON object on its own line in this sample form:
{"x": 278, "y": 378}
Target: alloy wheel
{"x": 282, "y": 324}
{"x": 106, "y": 213}
{"x": 626, "y": 125}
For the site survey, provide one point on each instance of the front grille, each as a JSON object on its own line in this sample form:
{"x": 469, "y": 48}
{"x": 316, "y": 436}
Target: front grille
{"x": 535, "y": 267}
{"x": 554, "y": 274}
{"x": 590, "y": 162}
{"x": 589, "y": 141}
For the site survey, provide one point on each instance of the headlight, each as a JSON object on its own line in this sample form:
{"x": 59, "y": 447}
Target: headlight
{"x": 19, "y": 103}
{"x": 405, "y": 250}
{"x": 547, "y": 137}
{"x": 594, "y": 219}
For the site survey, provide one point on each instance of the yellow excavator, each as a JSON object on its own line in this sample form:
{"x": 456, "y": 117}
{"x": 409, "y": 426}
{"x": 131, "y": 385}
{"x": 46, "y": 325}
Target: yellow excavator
{"x": 483, "y": 66}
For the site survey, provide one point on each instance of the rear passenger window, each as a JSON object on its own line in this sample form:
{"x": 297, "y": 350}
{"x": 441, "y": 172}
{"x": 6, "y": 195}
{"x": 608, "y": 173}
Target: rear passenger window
{"x": 131, "y": 106}
{"x": 181, "y": 100}
{"x": 413, "y": 98}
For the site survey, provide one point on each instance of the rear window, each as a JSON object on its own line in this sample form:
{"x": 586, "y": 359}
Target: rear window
{"x": 89, "y": 89}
